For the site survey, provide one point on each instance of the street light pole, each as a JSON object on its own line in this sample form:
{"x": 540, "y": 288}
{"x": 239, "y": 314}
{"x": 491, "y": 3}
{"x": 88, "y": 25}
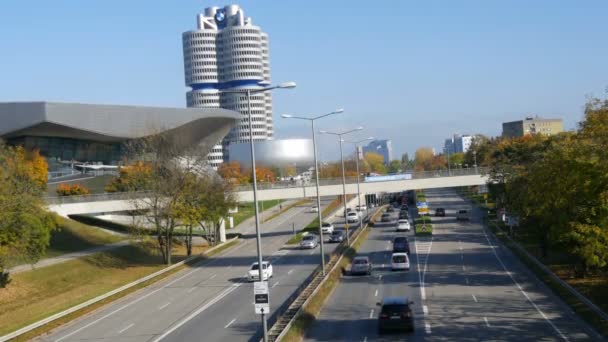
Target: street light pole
{"x": 475, "y": 160}
{"x": 258, "y": 236}
{"x": 339, "y": 135}
{"x": 314, "y": 147}
{"x": 357, "y": 146}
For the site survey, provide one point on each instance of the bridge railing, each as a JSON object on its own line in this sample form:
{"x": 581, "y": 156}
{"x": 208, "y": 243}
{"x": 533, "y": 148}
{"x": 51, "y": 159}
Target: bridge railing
{"x": 277, "y": 185}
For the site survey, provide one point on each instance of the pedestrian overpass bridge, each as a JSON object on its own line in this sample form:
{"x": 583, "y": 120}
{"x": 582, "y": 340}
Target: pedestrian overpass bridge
{"x": 112, "y": 202}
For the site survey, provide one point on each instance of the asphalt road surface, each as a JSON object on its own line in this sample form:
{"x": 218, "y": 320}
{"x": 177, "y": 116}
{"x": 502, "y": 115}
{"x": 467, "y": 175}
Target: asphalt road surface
{"x": 211, "y": 301}
{"x": 465, "y": 286}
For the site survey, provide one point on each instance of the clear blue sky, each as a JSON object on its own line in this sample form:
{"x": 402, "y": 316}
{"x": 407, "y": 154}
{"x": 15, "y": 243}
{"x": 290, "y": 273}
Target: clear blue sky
{"x": 410, "y": 71}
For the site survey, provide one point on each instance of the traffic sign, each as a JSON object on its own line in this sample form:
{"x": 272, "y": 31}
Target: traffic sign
{"x": 261, "y": 299}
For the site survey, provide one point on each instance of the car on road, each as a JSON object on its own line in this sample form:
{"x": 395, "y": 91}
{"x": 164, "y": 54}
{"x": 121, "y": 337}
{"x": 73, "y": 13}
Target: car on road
{"x": 405, "y": 207}
{"x": 314, "y": 209}
{"x": 404, "y": 215}
{"x": 337, "y": 236}
{"x": 361, "y": 207}
{"x": 395, "y": 315}
{"x": 352, "y": 217}
{"x": 309, "y": 241}
{"x": 400, "y": 262}
{"x": 390, "y": 210}
{"x": 386, "y": 217}
{"x": 462, "y": 215}
{"x": 327, "y": 228}
{"x": 361, "y": 265}
{"x": 440, "y": 212}
{"x": 403, "y": 225}
{"x": 254, "y": 271}
{"x": 401, "y": 245}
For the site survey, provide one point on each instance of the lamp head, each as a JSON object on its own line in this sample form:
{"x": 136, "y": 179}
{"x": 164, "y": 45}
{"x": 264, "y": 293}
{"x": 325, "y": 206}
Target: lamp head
{"x": 338, "y": 111}
{"x": 286, "y": 116}
{"x": 287, "y": 85}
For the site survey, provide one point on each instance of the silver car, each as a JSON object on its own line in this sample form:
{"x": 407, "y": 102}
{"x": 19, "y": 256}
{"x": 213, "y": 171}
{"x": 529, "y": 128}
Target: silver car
{"x": 361, "y": 265}
{"x": 309, "y": 241}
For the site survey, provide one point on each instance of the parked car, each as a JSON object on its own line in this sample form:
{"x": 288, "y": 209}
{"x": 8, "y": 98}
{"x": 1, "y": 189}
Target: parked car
{"x": 254, "y": 271}
{"x": 401, "y": 245}
{"x": 395, "y": 315}
{"x": 352, "y": 217}
{"x": 337, "y": 236}
{"x": 361, "y": 265}
{"x": 314, "y": 209}
{"x": 309, "y": 241}
{"x": 403, "y": 225}
{"x": 462, "y": 215}
{"x": 327, "y": 228}
{"x": 400, "y": 262}
{"x": 386, "y": 217}
{"x": 439, "y": 212}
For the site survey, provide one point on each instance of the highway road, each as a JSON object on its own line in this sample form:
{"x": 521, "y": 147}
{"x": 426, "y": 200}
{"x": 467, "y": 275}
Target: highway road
{"x": 465, "y": 286}
{"x": 210, "y": 301}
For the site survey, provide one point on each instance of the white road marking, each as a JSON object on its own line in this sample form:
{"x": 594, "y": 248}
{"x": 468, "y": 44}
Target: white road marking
{"x": 376, "y": 293}
{"x": 213, "y": 276}
{"x": 522, "y": 291}
{"x": 164, "y": 306}
{"x": 425, "y": 248}
{"x": 312, "y": 252}
{"x": 371, "y": 313}
{"x": 474, "y": 298}
{"x": 191, "y": 290}
{"x": 365, "y": 339}
{"x": 467, "y": 280}
{"x": 229, "y": 323}
{"x": 380, "y": 277}
{"x": 197, "y": 312}
{"x": 275, "y": 284}
{"x": 126, "y": 328}
{"x": 388, "y": 247}
{"x": 290, "y": 271}
{"x": 383, "y": 265}
{"x": 487, "y": 323}
{"x": 427, "y": 328}
{"x": 464, "y": 268}
{"x": 425, "y": 310}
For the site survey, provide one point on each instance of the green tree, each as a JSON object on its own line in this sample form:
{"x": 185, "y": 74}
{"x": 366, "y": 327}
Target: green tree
{"x": 25, "y": 225}
{"x": 394, "y": 166}
{"x": 406, "y": 162}
{"x": 375, "y": 162}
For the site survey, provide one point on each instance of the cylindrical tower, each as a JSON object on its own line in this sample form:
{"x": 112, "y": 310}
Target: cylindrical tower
{"x": 227, "y": 52}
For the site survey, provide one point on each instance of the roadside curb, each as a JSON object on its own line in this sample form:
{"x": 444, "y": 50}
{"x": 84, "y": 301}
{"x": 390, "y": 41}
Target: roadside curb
{"x": 97, "y": 299}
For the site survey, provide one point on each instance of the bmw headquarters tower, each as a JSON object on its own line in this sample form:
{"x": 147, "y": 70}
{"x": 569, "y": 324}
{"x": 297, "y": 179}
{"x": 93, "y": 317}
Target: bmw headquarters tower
{"x": 227, "y": 52}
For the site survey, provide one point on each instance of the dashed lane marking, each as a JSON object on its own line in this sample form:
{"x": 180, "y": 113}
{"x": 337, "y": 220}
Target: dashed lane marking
{"x": 371, "y": 313}
{"x": 474, "y": 298}
{"x": 229, "y": 323}
{"x": 126, "y": 328}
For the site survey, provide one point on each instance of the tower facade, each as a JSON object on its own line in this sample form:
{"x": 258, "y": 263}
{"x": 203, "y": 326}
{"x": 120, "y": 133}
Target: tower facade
{"x": 227, "y": 52}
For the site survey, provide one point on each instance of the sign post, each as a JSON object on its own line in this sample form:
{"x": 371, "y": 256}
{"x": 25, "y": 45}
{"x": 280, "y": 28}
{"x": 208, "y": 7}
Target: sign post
{"x": 261, "y": 297}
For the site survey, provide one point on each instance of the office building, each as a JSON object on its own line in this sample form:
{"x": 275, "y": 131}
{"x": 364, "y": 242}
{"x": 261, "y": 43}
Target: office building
{"x": 381, "y": 147}
{"x": 70, "y": 134}
{"x": 228, "y": 52}
{"x": 532, "y": 125}
{"x": 457, "y": 144}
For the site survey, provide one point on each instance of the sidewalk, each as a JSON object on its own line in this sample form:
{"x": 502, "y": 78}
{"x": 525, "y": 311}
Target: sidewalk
{"x": 67, "y": 257}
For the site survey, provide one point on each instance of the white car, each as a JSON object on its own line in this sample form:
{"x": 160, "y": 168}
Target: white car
{"x": 403, "y": 225}
{"x": 400, "y": 261}
{"x": 352, "y": 217}
{"x": 254, "y": 272}
{"x": 314, "y": 209}
{"x": 462, "y": 215}
{"x": 361, "y": 207}
{"x": 327, "y": 228}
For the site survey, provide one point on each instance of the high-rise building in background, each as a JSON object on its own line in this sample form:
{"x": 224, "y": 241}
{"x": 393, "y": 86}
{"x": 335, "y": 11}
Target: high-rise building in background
{"x": 457, "y": 144}
{"x": 382, "y": 147}
{"x": 532, "y": 125}
{"x": 227, "y": 52}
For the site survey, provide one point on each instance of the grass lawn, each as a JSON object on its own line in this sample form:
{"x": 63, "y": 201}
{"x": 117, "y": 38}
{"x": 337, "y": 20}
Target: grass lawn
{"x": 36, "y": 294}
{"x": 246, "y": 210}
{"x": 73, "y": 236}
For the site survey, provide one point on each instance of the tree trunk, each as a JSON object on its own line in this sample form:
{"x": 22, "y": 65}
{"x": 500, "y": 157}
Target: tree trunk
{"x": 168, "y": 245}
{"x": 189, "y": 241}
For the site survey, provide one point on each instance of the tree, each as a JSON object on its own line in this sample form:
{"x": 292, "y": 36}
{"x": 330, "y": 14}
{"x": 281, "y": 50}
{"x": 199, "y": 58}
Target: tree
{"x": 71, "y": 190}
{"x": 132, "y": 177}
{"x": 394, "y": 166}
{"x": 25, "y": 225}
{"x": 406, "y": 162}
{"x": 456, "y": 158}
{"x": 375, "y": 162}
{"x": 232, "y": 173}
{"x": 423, "y": 160}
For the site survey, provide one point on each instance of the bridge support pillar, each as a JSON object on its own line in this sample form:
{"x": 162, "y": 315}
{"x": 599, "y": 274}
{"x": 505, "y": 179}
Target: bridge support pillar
{"x": 223, "y": 231}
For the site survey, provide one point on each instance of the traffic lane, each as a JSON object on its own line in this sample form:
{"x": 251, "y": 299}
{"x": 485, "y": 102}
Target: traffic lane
{"x": 506, "y": 310}
{"x": 350, "y": 313}
{"x": 236, "y": 313}
{"x": 145, "y": 301}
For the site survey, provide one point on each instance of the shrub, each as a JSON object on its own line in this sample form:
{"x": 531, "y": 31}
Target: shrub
{"x": 72, "y": 190}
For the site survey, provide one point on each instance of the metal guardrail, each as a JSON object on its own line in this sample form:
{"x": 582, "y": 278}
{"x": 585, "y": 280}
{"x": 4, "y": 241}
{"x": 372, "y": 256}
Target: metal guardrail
{"x": 269, "y": 186}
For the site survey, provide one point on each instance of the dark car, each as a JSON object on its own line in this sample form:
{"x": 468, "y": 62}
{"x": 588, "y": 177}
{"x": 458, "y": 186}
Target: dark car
{"x": 386, "y": 217}
{"x": 439, "y": 212}
{"x": 390, "y": 210}
{"x": 337, "y": 236}
{"x": 404, "y": 216}
{"x": 395, "y": 315}
{"x": 404, "y": 207}
{"x": 401, "y": 245}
